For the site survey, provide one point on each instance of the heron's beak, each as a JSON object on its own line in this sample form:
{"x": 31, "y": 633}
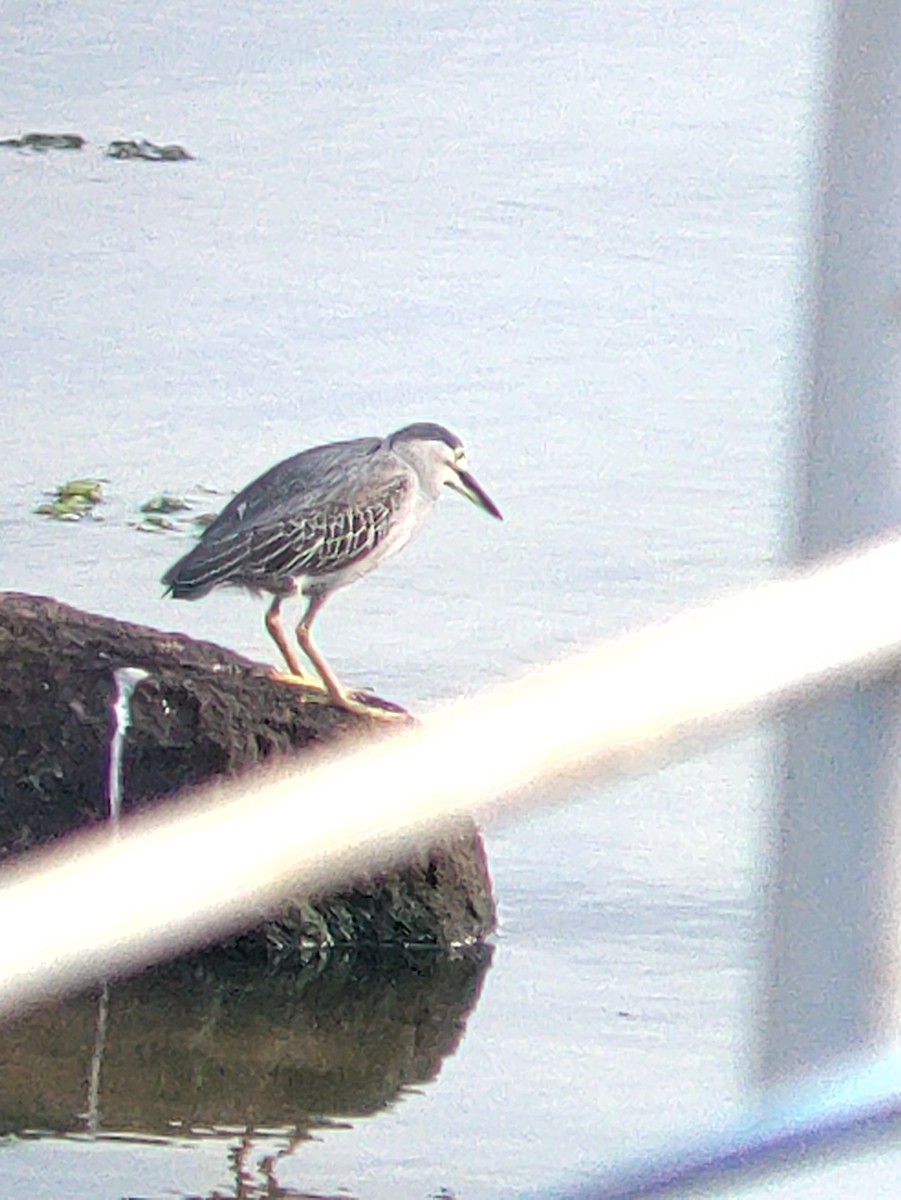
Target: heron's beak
{"x": 466, "y": 485}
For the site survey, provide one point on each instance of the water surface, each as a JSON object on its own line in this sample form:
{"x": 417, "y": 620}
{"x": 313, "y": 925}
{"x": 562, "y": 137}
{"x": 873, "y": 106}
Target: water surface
{"x": 574, "y": 234}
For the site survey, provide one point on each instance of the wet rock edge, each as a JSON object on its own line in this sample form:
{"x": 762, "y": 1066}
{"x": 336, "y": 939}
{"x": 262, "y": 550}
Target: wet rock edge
{"x": 206, "y": 713}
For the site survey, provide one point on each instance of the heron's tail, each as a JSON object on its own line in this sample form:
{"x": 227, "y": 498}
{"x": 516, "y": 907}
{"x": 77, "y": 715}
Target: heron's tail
{"x": 189, "y": 578}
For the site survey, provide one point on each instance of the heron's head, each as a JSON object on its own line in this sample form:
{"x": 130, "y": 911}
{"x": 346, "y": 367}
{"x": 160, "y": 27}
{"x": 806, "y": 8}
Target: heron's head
{"x": 438, "y": 458}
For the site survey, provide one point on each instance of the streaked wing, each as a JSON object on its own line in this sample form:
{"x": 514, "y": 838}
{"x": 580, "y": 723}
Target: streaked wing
{"x": 270, "y": 552}
{"x": 306, "y": 482}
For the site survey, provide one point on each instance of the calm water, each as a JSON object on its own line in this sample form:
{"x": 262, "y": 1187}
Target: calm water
{"x": 574, "y": 233}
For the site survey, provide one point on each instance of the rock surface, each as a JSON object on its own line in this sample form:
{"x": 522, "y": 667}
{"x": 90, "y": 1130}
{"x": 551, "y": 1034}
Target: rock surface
{"x": 205, "y": 712}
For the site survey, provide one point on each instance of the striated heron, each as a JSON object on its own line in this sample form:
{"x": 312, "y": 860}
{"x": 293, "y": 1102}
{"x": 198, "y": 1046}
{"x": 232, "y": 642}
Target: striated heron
{"x": 320, "y": 520}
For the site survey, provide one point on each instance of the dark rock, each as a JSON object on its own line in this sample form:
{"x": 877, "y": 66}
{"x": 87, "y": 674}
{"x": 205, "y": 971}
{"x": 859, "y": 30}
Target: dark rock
{"x": 205, "y": 712}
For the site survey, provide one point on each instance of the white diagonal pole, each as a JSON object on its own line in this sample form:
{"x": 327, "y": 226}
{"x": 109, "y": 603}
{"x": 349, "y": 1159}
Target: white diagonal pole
{"x": 98, "y": 904}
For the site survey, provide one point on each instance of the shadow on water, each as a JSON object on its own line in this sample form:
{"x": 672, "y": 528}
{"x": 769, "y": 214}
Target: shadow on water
{"x": 220, "y": 1052}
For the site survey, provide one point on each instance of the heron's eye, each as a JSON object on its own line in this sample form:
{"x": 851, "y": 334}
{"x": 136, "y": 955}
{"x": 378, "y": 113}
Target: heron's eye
{"x": 460, "y": 456}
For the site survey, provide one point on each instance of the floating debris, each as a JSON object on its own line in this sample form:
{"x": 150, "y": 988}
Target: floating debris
{"x": 157, "y": 523}
{"x": 88, "y": 490}
{"x": 148, "y": 151}
{"x": 73, "y": 500}
{"x": 45, "y": 141}
{"x": 165, "y": 513}
{"x": 165, "y": 504}
{"x": 156, "y": 512}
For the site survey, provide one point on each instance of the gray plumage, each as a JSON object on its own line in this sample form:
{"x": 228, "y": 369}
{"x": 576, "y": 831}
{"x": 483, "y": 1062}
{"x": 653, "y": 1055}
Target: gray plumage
{"x": 321, "y": 519}
{"x": 310, "y": 515}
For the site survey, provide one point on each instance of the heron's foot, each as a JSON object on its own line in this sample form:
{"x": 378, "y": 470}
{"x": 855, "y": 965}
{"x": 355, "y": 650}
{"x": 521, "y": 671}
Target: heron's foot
{"x": 303, "y": 682}
{"x": 365, "y": 704}
{"x": 362, "y": 703}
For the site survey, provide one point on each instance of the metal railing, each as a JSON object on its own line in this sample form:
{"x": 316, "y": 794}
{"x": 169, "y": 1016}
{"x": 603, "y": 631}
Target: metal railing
{"x": 820, "y": 649}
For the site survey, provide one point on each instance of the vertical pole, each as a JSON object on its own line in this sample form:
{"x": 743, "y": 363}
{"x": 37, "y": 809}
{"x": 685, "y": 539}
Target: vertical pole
{"x": 831, "y": 984}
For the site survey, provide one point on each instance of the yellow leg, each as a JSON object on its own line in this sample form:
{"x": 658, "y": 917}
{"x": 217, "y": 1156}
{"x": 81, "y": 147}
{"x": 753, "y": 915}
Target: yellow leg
{"x": 295, "y": 673}
{"x": 305, "y": 640}
{"x": 338, "y": 694}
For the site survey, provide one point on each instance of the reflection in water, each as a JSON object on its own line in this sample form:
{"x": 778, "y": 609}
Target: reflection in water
{"x": 258, "y": 1180}
{"x": 92, "y": 1113}
{"x": 188, "y": 1051}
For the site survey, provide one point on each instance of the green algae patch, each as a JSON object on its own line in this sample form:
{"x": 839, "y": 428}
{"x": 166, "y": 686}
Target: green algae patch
{"x": 165, "y": 504}
{"x": 73, "y": 500}
{"x": 167, "y": 513}
{"x": 163, "y": 513}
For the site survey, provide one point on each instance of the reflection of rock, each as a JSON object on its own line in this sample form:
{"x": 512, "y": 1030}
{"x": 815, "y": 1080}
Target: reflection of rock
{"x": 189, "y": 1050}
{"x": 45, "y": 141}
{"x": 148, "y": 151}
{"x": 205, "y": 712}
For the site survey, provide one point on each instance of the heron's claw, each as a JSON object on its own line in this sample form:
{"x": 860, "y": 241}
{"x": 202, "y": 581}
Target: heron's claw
{"x": 365, "y": 704}
{"x": 303, "y": 682}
